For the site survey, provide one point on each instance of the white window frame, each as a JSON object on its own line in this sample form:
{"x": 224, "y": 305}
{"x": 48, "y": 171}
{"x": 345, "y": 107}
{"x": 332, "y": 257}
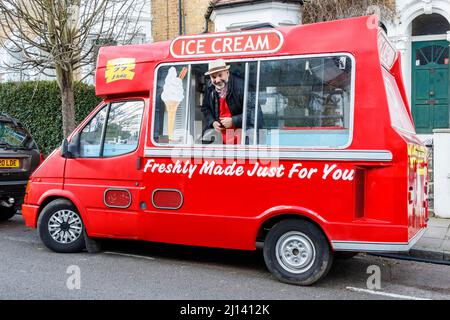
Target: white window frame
{"x": 242, "y": 147}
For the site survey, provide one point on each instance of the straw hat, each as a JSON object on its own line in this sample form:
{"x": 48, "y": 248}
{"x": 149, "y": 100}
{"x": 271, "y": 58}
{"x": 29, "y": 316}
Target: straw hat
{"x": 216, "y": 66}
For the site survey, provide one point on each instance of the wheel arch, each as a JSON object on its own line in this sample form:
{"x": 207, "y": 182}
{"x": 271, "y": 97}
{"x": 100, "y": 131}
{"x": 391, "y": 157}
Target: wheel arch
{"x": 52, "y": 195}
{"x": 275, "y": 215}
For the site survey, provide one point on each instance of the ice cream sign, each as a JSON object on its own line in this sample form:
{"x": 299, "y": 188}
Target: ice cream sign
{"x": 227, "y": 44}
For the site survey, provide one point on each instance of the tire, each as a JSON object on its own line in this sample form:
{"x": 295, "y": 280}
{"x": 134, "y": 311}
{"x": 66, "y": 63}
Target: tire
{"x": 61, "y": 215}
{"x": 7, "y": 213}
{"x": 308, "y": 256}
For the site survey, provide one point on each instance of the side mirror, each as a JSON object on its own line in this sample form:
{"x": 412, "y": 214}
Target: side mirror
{"x": 71, "y": 149}
{"x": 64, "y": 148}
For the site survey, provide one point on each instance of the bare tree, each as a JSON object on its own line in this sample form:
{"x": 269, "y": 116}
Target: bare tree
{"x": 60, "y": 37}
{"x": 325, "y": 10}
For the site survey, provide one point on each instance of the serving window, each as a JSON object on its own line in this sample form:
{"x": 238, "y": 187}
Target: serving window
{"x": 295, "y": 102}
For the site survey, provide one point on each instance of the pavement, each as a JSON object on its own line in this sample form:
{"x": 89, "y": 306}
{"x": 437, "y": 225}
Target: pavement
{"x": 435, "y": 243}
{"x": 144, "y": 270}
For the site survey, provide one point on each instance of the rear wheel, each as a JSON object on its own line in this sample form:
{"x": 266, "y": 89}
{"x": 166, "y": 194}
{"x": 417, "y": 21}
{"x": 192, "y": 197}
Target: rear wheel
{"x": 61, "y": 228}
{"x": 297, "y": 252}
{"x": 7, "y": 213}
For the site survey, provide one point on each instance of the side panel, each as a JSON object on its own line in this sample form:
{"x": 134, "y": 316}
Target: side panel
{"x": 225, "y": 203}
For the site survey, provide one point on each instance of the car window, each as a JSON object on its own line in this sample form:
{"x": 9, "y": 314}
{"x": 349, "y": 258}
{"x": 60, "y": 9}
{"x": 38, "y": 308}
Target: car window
{"x": 13, "y": 135}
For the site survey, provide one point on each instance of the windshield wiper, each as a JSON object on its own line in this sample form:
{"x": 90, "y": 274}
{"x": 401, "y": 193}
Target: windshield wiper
{"x": 6, "y": 145}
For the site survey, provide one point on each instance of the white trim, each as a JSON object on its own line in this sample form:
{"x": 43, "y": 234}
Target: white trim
{"x": 245, "y": 102}
{"x": 277, "y": 13}
{"x": 377, "y": 246}
{"x": 267, "y": 153}
{"x": 259, "y": 6}
{"x": 415, "y": 8}
{"x": 433, "y": 37}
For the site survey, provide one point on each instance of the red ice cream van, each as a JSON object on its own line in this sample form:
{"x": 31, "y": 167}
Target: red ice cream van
{"x": 325, "y": 160}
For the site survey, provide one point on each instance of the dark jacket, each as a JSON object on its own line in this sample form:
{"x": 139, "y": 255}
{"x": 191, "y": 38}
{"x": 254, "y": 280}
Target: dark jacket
{"x": 234, "y": 98}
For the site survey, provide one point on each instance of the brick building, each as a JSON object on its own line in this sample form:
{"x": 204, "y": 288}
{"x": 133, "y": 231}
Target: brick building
{"x": 166, "y": 18}
{"x": 173, "y": 17}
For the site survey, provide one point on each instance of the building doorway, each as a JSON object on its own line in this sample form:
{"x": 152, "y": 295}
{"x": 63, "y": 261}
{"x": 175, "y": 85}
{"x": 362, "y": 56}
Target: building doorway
{"x": 430, "y": 73}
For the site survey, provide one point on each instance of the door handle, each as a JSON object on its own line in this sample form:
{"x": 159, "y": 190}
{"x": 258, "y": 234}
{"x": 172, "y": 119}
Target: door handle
{"x": 138, "y": 163}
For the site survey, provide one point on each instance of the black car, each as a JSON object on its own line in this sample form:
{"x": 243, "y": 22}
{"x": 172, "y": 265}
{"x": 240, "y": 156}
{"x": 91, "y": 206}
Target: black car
{"x": 19, "y": 156}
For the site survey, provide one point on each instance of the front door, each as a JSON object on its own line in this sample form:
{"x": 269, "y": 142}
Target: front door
{"x": 104, "y": 177}
{"x": 430, "y": 85}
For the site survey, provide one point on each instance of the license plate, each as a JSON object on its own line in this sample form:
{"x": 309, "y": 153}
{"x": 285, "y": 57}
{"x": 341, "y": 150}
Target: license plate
{"x": 9, "y": 163}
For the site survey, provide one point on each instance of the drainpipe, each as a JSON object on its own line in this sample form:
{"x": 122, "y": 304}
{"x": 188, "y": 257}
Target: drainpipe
{"x": 180, "y": 19}
{"x": 206, "y": 25}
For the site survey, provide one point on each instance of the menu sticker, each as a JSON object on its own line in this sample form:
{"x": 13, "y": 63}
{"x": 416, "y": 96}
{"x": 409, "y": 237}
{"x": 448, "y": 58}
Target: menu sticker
{"x": 120, "y": 69}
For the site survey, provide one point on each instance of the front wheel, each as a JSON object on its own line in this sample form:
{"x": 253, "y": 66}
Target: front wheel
{"x": 61, "y": 228}
{"x": 7, "y": 213}
{"x": 297, "y": 252}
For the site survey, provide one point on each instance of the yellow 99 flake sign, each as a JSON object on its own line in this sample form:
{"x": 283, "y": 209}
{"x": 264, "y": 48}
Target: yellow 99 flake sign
{"x": 120, "y": 69}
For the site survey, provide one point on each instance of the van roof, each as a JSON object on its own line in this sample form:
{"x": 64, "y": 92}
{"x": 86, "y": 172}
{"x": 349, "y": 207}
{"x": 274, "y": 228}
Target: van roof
{"x": 129, "y": 69}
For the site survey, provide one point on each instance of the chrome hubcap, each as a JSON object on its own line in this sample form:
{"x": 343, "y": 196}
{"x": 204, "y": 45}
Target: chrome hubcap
{"x": 65, "y": 226}
{"x": 295, "y": 252}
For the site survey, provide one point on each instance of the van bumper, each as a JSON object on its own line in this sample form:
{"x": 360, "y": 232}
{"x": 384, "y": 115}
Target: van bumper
{"x": 30, "y": 214}
{"x": 358, "y": 246}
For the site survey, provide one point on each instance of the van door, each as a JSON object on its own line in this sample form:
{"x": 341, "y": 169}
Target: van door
{"x": 104, "y": 177}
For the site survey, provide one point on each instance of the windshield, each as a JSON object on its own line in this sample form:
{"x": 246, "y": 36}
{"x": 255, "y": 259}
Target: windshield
{"x": 13, "y": 136}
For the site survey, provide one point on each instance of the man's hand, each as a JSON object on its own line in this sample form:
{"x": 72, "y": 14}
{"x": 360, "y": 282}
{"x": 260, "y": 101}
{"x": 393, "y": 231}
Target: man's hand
{"x": 217, "y": 125}
{"x": 227, "y": 122}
